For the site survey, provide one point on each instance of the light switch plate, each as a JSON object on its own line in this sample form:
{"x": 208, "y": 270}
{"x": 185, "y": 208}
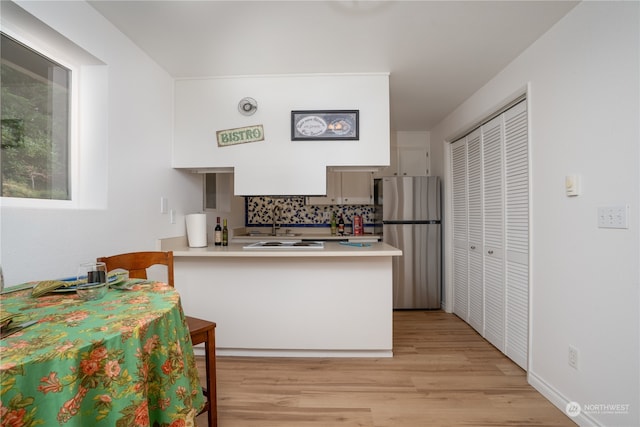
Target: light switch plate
{"x": 164, "y": 205}
{"x": 613, "y": 216}
{"x": 572, "y": 185}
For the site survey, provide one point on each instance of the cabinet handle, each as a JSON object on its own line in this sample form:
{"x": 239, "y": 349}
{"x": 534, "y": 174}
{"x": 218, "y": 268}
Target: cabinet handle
{"x": 473, "y": 247}
{"x": 490, "y": 252}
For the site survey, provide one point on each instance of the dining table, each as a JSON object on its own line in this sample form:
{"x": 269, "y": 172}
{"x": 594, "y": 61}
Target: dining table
{"x": 123, "y": 360}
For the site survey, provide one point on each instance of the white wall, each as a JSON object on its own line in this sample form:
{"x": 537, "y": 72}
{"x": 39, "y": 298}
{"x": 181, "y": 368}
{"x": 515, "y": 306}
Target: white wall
{"x": 583, "y": 82}
{"x": 42, "y": 243}
{"x": 205, "y": 106}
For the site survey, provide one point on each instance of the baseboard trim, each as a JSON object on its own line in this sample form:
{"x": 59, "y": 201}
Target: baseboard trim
{"x": 243, "y": 352}
{"x": 559, "y": 400}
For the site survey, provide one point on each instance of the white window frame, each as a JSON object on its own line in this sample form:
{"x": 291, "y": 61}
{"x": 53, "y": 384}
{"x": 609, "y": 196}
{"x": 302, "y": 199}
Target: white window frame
{"x": 72, "y": 123}
{"x": 87, "y": 172}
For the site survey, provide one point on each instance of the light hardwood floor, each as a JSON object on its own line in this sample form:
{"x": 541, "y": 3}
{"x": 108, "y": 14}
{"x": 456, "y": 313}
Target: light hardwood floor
{"x": 442, "y": 374}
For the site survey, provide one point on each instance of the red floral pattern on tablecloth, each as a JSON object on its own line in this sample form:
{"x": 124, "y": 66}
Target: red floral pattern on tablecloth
{"x": 125, "y": 360}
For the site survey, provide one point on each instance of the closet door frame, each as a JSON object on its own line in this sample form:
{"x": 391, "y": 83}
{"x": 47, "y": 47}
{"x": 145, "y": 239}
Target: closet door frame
{"x": 506, "y": 253}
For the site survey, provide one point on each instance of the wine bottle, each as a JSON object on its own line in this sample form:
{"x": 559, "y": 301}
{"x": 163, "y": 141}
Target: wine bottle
{"x": 333, "y": 224}
{"x": 218, "y": 233}
{"x": 225, "y": 233}
{"x": 341, "y": 226}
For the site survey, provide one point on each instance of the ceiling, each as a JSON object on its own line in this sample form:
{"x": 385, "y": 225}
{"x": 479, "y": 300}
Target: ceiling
{"x": 438, "y": 53}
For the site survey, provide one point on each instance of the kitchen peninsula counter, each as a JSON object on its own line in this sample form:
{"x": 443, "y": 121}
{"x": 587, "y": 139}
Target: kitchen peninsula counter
{"x": 329, "y": 302}
{"x": 331, "y": 249}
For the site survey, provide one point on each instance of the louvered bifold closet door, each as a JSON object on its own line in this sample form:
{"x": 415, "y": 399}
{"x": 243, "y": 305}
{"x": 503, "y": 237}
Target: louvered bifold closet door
{"x": 493, "y": 210}
{"x": 517, "y": 234}
{"x": 460, "y": 229}
{"x": 474, "y": 201}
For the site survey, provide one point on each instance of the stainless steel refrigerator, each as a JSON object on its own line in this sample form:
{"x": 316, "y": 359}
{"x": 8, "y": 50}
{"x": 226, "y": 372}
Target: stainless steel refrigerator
{"x": 411, "y": 222}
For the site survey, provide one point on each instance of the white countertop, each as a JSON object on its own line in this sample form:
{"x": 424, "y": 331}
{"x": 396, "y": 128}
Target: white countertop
{"x": 331, "y": 249}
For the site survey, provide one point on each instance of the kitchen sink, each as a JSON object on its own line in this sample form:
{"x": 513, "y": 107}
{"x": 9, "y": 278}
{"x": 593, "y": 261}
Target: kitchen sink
{"x": 275, "y": 244}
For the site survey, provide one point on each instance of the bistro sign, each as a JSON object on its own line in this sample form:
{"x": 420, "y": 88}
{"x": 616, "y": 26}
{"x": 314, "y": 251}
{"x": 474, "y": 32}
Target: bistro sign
{"x": 240, "y": 135}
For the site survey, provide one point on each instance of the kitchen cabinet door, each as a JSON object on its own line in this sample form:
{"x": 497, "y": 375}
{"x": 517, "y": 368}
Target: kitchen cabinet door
{"x": 407, "y": 160}
{"x": 356, "y": 188}
{"x": 346, "y": 188}
{"x": 413, "y": 161}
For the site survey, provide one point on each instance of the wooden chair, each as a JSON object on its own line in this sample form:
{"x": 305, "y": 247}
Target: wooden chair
{"x": 201, "y": 331}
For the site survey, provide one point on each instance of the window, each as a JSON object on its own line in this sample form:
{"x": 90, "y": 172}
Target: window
{"x": 35, "y": 124}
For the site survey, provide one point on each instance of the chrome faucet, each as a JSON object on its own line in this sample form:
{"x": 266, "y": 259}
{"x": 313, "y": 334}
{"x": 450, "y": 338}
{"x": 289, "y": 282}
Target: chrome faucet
{"x": 275, "y": 216}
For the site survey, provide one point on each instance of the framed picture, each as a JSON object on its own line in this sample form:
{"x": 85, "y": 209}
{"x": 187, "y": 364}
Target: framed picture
{"x": 324, "y": 125}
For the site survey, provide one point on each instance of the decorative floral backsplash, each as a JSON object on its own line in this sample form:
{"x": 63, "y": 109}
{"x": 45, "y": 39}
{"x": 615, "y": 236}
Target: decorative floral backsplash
{"x": 294, "y": 212}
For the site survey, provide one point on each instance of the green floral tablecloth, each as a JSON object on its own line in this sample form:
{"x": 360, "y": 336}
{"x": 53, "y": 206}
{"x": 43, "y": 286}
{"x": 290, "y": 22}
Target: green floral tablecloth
{"x": 124, "y": 360}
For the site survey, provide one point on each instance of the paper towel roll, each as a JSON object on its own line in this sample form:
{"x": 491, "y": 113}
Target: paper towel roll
{"x": 197, "y": 230}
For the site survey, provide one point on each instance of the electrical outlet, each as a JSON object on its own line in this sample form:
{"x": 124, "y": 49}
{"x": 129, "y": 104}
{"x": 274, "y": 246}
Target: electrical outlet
{"x": 573, "y": 357}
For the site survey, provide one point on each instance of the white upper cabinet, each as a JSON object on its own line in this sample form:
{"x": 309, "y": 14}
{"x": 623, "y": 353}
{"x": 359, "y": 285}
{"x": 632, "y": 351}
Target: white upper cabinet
{"x": 413, "y": 161}
{"x": 346, "y": 188}
{"x": 357, "y": 188}
{"x": 409, "y": 155}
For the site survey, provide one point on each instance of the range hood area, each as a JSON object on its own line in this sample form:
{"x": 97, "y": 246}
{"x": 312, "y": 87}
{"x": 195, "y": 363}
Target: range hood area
{"x": 278, "y": 165}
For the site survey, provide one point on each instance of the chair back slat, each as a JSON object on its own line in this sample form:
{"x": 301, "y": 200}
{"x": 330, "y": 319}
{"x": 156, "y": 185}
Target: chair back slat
{"x": 137, "y": 263}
